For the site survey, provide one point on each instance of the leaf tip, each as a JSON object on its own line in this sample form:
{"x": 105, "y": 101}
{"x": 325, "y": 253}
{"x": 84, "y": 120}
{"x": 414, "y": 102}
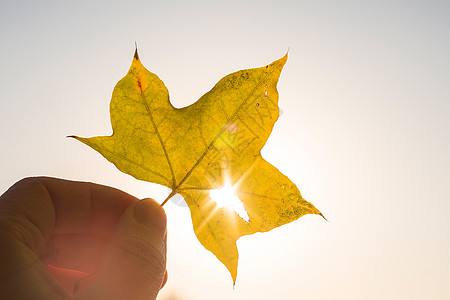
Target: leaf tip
{"x": 320, "y": 214}
{"x": 136, "y": 55}
{"x": 75, "y": 137}
{"x": 280, "y": 62}
{"x": 234, "y": 280}
{"x": 285, "y": 57}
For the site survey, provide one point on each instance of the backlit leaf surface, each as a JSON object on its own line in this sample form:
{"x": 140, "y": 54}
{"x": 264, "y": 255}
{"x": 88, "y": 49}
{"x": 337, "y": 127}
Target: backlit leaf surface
{"x": 200, "y": 148}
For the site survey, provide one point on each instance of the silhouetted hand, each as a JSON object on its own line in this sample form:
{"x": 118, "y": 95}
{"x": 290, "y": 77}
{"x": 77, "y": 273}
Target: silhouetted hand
{"x": 54, "y": 232}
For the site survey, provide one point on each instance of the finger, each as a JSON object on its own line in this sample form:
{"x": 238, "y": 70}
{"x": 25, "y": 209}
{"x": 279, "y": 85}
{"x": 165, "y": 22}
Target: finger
{"x": 23, "y": 275}
{"x": 68, "y": 278}
{"x": 166, "y": 276}
{"x": 80, "y": 252}
{"x": 77, "y": 251}
{"x": 21, "y": 241}
{"x": 36, "y": 208}
{"x": 135, "y": 259}
{"x": 86, "y": 207}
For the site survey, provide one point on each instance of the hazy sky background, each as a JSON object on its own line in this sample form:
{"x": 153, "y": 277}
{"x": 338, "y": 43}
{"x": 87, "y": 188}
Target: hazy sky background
{"x": 364, "y": 133}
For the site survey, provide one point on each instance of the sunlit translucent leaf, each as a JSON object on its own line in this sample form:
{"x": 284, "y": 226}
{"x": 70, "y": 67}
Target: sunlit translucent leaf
{"x": 205, "y": 148}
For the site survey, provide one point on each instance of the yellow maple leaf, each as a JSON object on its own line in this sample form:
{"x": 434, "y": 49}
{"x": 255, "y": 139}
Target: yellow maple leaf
{"x": 209, "y": 152}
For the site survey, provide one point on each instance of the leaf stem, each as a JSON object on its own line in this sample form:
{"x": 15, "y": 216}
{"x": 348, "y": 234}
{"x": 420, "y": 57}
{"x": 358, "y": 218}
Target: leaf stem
{"x": 173, "y": 193}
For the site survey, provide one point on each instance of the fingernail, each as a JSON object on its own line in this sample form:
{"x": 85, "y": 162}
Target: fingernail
{"x": 149, "y": 213}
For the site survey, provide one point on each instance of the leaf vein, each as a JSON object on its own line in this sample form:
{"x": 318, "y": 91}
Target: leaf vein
{"x": 135, "y": 163}
{"x": 147, "y": 107}
{"x": 233, "y": 116}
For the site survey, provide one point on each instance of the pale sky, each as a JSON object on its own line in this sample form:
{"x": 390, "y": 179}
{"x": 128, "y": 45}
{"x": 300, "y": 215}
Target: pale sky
{"x": 364, "y": 132}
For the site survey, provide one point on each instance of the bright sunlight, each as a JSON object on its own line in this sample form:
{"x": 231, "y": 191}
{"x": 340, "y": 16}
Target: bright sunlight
{"x": 226, "y": 197}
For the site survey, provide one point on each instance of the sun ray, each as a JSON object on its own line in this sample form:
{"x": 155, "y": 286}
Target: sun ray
{"x": 226, "y": 197}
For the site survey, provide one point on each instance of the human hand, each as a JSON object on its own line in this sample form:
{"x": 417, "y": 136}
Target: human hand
{"x": 54, "y": 232}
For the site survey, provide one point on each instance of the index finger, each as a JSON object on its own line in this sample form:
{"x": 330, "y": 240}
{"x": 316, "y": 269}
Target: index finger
{"x": 57, "y": 206}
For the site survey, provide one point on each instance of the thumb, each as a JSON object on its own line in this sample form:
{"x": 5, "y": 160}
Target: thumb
{"x": 134, "y": 263}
